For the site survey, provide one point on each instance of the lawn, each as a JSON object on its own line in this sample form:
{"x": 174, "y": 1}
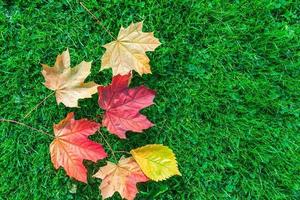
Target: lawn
{"x": 227, "y": 77}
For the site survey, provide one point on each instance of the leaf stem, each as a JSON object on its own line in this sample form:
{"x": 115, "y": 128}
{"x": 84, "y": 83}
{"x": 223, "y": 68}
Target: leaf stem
{"x": 112, "y": 151}
{"x": 123, "y": 152}
{"x": 35, "y": 107}
{"x": 97, "y": 20}
{"x": 27, "y": 126}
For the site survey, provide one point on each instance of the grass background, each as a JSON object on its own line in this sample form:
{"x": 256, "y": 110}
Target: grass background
{"x": 227, "y": 80}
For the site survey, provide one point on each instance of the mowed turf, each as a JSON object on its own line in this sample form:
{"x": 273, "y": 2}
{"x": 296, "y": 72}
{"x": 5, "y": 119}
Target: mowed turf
{"x": 227, "y": 77}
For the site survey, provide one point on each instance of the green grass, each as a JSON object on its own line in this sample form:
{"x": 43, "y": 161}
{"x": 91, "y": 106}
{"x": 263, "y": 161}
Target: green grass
{"x": 227, "y": 77}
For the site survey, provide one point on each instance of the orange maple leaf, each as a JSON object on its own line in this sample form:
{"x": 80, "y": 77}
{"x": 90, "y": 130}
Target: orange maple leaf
{"x": 71, "y": 146}
{"x": 121, "y": 177}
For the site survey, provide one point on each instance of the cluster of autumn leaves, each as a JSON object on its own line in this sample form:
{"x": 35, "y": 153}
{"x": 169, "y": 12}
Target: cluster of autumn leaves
{"x": 121, "y": 104}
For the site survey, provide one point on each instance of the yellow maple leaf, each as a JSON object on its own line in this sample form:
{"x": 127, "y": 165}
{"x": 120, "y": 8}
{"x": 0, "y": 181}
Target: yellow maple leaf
{"x": 128, "y": 51}
{"x": 68, "y": 83}
{"x": 158, "y": 162}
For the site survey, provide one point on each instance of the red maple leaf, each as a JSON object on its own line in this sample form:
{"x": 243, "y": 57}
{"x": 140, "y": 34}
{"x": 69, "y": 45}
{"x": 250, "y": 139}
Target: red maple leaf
{"x": 122, "y": 106}
{"x": 71, "y": 146}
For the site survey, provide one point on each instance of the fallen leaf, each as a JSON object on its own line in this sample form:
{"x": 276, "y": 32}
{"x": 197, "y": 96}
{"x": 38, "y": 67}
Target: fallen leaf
{"x": 158, "y": 162}
{"x": 68, "y": 83}
{"x": 122, "y": 106}
{"x": 71, "y": 146}
{"x": 128, "y": 51}
{"x": 121, "y": 177}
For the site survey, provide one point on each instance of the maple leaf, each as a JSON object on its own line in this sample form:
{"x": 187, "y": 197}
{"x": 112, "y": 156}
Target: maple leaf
{"x": 68, "y": 83}
{"x": 128, "y": 51}
{"x": 158, "y": 162}
{"x": 121, "y": 177}
{"x": 71, "y": 146}
{"x": 122, "y": 106}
